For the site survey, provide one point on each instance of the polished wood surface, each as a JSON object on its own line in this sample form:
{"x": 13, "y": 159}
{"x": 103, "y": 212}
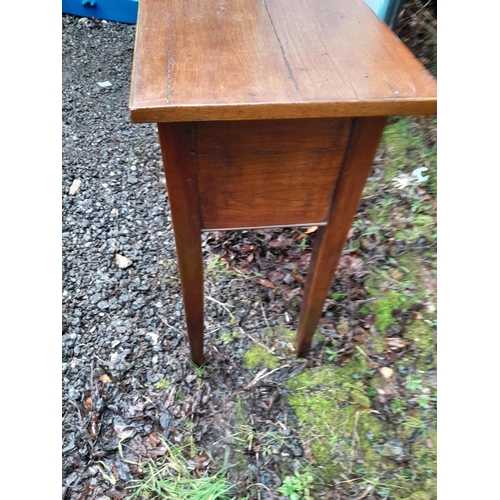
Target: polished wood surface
{"x": 200, "y": 60}
{"x": 176, "y": 141}
{"x": 329, "y": 242}
{"x": 268, "y": 173}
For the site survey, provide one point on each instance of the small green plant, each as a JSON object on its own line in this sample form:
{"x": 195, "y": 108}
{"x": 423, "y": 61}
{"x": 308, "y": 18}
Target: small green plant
{"x": 216, "y": 266}
{"x": 334, "y": 438}
{"x": 398, "y": 406}
{"x": 358, "y": 223}
{"x": 199, "y": 370}
{"x": 303, "y": 244}
{"x": 414, "y": 384}
{"x": 339, "y": 295}
{"x": 297, "y": 487}
{"x": 386, "y": 201}
{"x": 423, "y": 401}
{"x": 371, "y": 392}
{"x": 332, "y": 354}
{"x": 416, "y": 423}
{"x": 228, "y": 337}
{"x": 163, "y": 384}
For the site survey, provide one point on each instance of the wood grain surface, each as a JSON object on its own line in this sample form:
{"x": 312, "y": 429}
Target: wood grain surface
{"x": 268, "y": 173}
{"x": 200, "y": 60}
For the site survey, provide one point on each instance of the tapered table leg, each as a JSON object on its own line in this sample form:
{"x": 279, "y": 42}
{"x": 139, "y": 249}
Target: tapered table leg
{"x": 176, "y": 140}
{"x": 330, "y": 239}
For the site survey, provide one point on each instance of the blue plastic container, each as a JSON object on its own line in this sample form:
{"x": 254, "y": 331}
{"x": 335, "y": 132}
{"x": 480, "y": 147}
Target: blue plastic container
{"x": 122, "y": 11}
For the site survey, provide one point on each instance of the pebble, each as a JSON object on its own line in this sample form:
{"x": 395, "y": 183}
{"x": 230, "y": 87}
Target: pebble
{"x": 75, "y": 187}
{"x": 123, "y": 262}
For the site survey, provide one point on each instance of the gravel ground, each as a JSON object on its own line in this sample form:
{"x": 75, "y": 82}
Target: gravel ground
{"x": 109, "y": 314}
{"x": 123, "y": 329}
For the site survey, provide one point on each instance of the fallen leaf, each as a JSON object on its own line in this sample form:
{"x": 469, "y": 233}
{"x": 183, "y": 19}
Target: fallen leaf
{"x": 275, "y": 276}
{"x": 247, "y": 248}
{"x": 88, "y": 403}
{"x": 289, "y": 295}
{"x": 157, "y": 452}
{"x": 360, "y": 335}
{"x": 93, "y": 425}
{"x": 386, "y": 372}
{"x": 304, "y": 261}
{"x": 370, "y": 320}
{"x": 311, "y": 229}
{"x": 396, "y": 342}
{"x": 281, "y": 242}
{"x": 351, "y": 264}
{"x": 201, "y": 462}
{"x": 298, "y": 278}
{"x": 135, "y": 408}
{"x": 105, "y": 379}
{"x": 154, "y": 439}
{"x": 267, "y": 283}
{"x": 395, "y": 274}
{"x": 342, "y": 327}
{"x": 345, "y": 357}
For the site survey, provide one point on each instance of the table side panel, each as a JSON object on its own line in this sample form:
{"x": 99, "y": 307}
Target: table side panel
{"x": 268, "y": 173}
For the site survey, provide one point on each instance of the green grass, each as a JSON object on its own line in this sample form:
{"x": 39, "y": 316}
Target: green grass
{"x": 173, "y": 478}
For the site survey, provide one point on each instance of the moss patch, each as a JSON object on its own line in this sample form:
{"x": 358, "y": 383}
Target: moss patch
{"x": 331, "y": 404}
{"x": 421, "y": 334}
{"x": 385, "y": 307}
{"x": 399, "y": 138}
{"x": 163, "y": 384}
{"x": 421, "y": 480}
{"x": 257, "y": 355}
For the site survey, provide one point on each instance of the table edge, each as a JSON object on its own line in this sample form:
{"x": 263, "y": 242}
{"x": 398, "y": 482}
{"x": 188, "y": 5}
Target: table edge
{"x": 277, "y": 111}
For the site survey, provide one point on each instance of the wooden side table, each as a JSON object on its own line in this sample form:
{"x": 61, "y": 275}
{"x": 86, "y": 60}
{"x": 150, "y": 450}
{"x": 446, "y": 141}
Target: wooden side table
{"x": 269, "y": 114}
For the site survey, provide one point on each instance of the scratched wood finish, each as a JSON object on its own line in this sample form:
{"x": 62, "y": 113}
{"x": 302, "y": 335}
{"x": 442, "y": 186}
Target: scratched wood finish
{"x": 199, "y": 60}
{"x": 268, "y": 173}
{"x": 176, "y": 141}
{"x": 330, "y": 239}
